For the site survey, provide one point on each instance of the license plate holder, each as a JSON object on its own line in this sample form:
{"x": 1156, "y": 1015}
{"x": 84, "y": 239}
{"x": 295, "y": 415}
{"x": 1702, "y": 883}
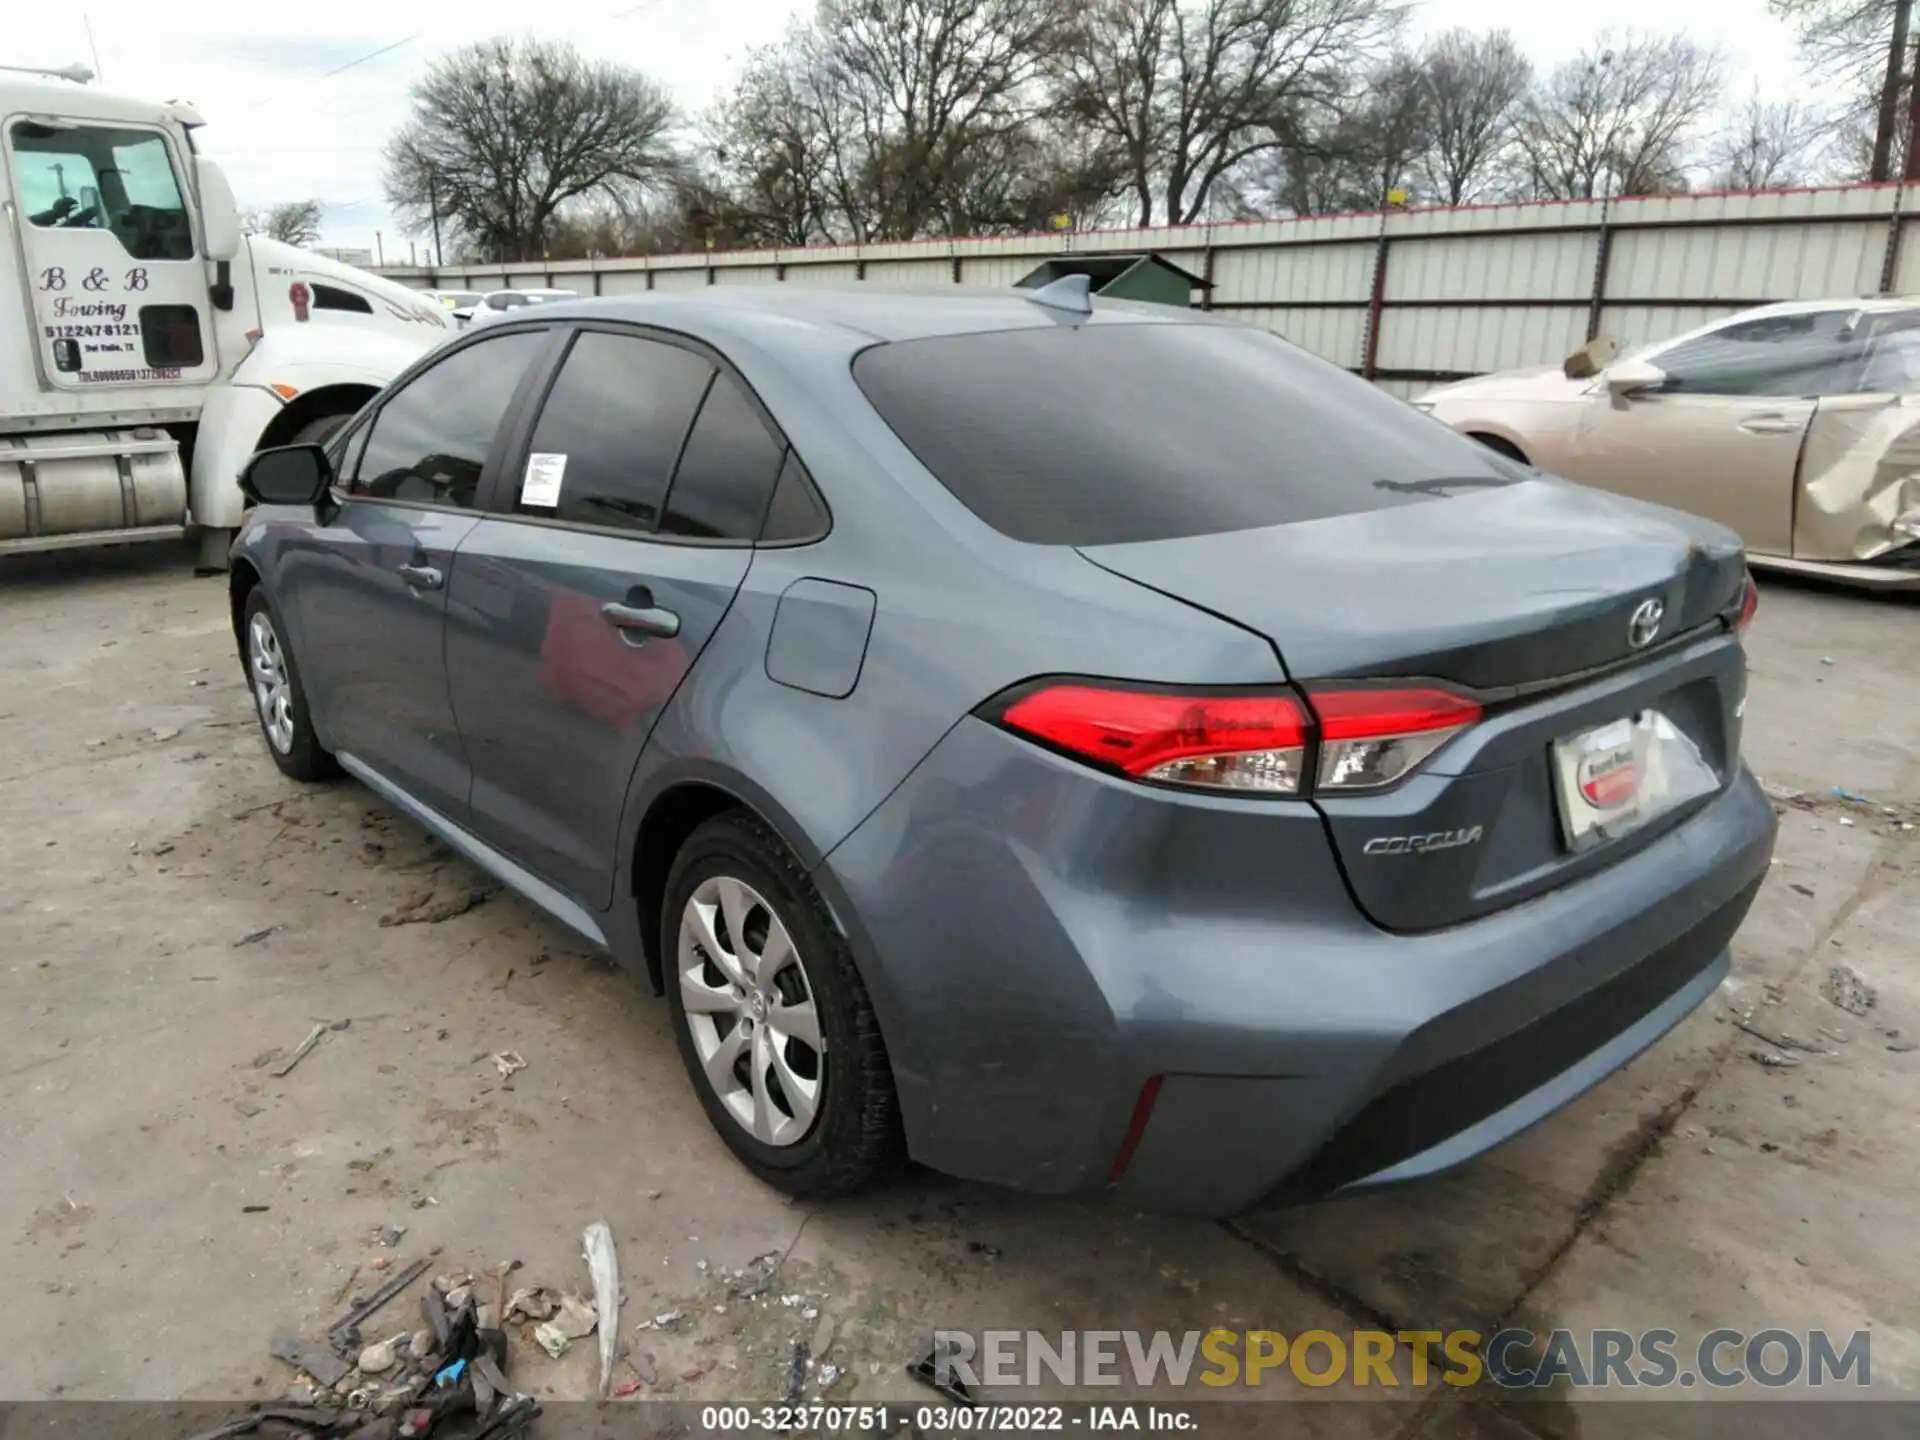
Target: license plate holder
{"x": 1613, "y": 779}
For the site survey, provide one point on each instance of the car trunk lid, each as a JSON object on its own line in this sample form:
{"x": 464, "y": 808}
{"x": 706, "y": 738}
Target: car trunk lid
{"x": 1525, "y": 597}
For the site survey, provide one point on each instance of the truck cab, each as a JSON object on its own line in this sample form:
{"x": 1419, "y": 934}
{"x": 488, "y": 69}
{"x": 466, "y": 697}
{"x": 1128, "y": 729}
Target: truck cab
{"x": 155, "y": 346}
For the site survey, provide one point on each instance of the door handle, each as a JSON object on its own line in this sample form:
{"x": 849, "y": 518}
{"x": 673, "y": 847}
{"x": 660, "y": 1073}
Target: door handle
{"x": 422, "y": 577}
{"x": 1769, "y": 425}
{"x": 632, "y": 620}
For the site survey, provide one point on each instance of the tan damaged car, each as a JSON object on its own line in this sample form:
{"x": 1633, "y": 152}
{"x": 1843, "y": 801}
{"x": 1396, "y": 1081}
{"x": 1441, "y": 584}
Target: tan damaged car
{"x": 1797, "y": 425}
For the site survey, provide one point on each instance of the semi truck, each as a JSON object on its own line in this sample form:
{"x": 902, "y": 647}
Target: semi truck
{"x": 147, "y": 345}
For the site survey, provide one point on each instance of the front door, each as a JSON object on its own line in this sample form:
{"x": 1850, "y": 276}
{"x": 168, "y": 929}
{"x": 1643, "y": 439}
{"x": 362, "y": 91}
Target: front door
{"x": 626, "y": 529}
{"x": 1729, "y": 458}
{"x": 119, "y": 288}
{"x": 367, "y": 598}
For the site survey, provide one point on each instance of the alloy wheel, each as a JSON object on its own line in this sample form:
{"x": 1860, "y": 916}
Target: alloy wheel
{"x": 750, "y": 1011}
{"x": 272, "y": 688}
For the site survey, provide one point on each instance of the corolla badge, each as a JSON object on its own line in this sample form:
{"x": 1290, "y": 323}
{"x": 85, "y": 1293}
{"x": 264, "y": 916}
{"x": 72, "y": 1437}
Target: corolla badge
{"x": 1423, "y": 844}
{"x": 1645, "y": 623}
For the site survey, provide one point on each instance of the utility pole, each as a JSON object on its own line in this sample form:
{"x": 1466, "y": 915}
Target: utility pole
{"x": 433, "y": 209}
{"x": 1912, "y": 169}
{"x": 379, "y": 250}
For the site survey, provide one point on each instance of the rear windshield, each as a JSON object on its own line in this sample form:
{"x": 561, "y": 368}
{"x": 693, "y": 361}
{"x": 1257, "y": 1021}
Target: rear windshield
{"x": 1103, "y": 434}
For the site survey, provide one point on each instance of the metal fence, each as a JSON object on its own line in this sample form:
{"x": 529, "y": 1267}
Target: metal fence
{"x": 1406, "y": 298}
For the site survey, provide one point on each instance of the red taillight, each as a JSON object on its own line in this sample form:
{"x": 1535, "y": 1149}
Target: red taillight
{"x": 1369, "y": 736}
{"x": 1217, "y": 742}
{"x": 1372, "y": 738}
{"x": 1749, "y": 602}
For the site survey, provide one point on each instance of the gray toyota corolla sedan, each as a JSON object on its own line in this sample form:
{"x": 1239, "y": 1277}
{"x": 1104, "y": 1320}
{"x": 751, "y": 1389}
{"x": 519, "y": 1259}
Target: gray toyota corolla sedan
{"x": 1073, "y": 747}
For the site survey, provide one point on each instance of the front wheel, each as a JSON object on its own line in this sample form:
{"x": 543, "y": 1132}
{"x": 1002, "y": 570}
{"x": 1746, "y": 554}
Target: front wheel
{"x": 279, "y": 700}
{"x": 773, "y": 1022}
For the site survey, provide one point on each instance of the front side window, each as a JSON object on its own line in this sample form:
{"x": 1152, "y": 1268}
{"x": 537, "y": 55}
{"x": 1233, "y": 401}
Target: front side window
{"x": 93, "y": 177}
{"x": 1804, "y": 355}
{"x": 429, "y": 441}
{"x": 611, "y": 430}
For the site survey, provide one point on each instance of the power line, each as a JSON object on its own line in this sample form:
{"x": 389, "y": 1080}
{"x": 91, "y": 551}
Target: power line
{"x": 370, "y": 55}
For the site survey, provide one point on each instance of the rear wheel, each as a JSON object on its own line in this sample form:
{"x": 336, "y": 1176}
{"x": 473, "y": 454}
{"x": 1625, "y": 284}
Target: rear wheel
{"x": 279, "y": 701}
{"x": 773, "y": 1022}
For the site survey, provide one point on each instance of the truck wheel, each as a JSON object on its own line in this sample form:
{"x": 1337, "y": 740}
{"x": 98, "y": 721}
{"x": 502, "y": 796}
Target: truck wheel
{"x": 319, "y": 431}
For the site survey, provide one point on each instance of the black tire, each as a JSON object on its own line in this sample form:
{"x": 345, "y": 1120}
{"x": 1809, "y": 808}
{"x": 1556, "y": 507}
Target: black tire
{"x": 319, "y": 431}
{"x": 1501, "y": 446}
{"x": 302, "y": 757}
{"x": 855, "y": 1139}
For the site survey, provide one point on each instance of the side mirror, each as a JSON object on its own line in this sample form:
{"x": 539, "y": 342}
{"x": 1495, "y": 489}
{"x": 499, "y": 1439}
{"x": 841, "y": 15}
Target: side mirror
{"x": 288, "y": 475}
{"x": 1627, "y": 377}
{"x": 219, "y": 215}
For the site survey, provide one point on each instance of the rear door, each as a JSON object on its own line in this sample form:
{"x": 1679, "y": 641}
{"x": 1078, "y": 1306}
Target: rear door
{"x": 119, "y": 288}
{"x": 624, "y": 528}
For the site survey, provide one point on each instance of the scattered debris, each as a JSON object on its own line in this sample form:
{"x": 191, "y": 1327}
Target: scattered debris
{"x": 1799, "y": 889}
{"x": 1904, "y": 1047}
{"x": 421, "y": 1345}
{"x": 257, "y": 936}
{"x": 927, "y": 1370}
{"x": 653, "y": 1194}
{"x": 575, "y": 1317}
{"x": 166, "y": 732}
{"x": 604, "y": 1267}
{"x": 389, "y": 1235}
{"x": 822, "y": 1337}
{"x": 1846, "y": 989}
{"x": 1772, "y": 1059}
{"x": 531, "y": 1303}
{"x": 285, "y": 1067}
{"x": 457, "y": 1297}
{"x": 1841, "y": 792}
{"x": 827, "y": 1375}
{"x": 509, "y": 1063}
{"x": 551, "y": 1339}
{"x": 797, "y": 1371}
{"x": 625, "y": 1388}
{"x": 255, "y": 1209}
{"x": 667, "y": 1319}
{"x": 430, "y": 907}
{"x": 1780, "y": 1041}
{"x": 316, "y": 1360}
{"x": 346, "y": 1330}
{"x": 377, "y": 1358}
{"x": 991, "y": 1252}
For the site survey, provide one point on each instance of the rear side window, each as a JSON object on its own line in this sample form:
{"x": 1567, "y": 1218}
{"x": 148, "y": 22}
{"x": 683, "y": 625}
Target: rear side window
{"x": 429, "y": 441}
{"x": 332, "y": 297}
{"x": 1107, "y": 433}
{"x": 727, "y": 471}
{"x": 795, "y": 513}
{"x": 611, "y": 431}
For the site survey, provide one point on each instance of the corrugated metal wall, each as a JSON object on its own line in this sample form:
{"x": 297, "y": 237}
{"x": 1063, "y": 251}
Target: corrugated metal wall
{"x": 1408, "y": 298}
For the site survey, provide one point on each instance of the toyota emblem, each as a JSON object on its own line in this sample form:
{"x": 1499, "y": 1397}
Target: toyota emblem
{"x": 1645, "y": 623}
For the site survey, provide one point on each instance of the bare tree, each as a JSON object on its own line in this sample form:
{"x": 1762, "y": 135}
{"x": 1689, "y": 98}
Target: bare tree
{"x": 777, "y": 144}
{"x": 1473, "y": 86}
{"x": 1863, "y": 45}
{"x": 1189, "y": 91}
{"x": 1356, "y": 155}
{"x": 296, "y": 222}
{"x": 1618, "y": 118}
{"x": 926, "y": 89}
{"x": 507, "y": 133}
{"x": 1767, "y": 143}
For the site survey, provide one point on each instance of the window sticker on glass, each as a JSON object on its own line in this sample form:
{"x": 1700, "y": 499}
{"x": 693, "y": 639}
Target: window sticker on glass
{"x": 541, "y": 484}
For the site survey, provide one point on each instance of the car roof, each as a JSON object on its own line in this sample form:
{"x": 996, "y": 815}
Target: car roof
{"x": 857, "y": 314}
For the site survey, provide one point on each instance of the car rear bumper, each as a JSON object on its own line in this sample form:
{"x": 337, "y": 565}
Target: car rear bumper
{"x": 1041, "y": 941}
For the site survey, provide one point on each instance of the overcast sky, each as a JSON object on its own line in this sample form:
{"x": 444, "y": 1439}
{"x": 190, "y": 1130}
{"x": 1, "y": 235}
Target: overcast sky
{"x": 286, "y": 129}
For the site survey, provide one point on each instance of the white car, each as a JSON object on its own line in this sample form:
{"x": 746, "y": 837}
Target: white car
{"x": 1796, "y": 425}
{"x": 501, "y": 303}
